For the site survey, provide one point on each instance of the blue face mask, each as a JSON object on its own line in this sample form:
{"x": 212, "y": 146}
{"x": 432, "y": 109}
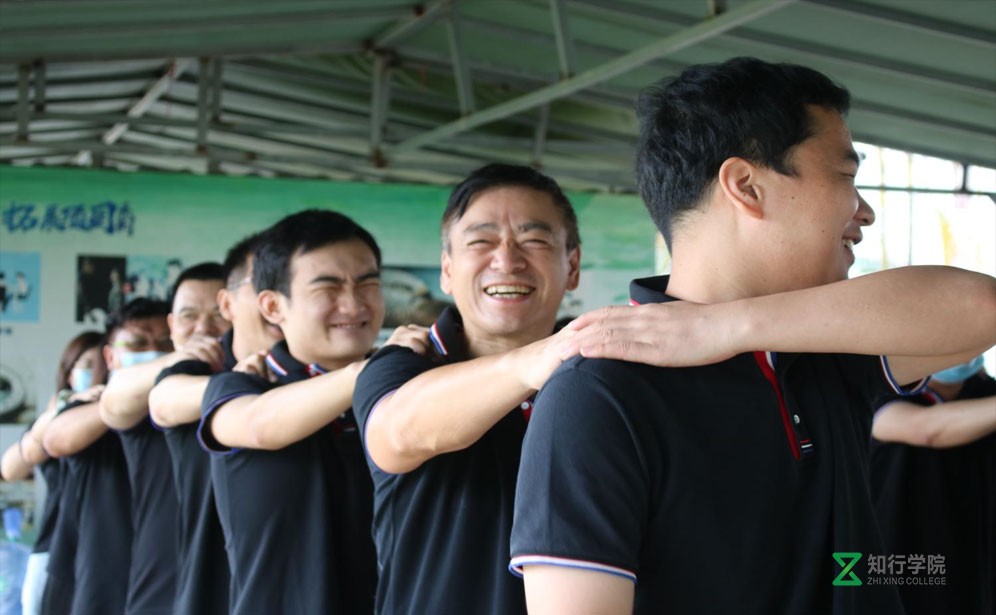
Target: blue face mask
{"x": 960, "y": 373}
{"x": 129, "y": 359}
{"x": 82, "y": 379}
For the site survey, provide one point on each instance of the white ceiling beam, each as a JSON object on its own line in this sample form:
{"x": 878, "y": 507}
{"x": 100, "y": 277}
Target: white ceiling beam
{"x": 695, "y": 34}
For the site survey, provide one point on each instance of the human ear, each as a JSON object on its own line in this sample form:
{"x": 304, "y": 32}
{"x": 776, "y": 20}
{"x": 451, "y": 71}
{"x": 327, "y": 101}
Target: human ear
{"x": 224, "y": 299}
{"x": 574, "y": 271}
{"x": 446, "y": 264}
{"x": 270, "y": 306}
{"x": 742, "y": 184}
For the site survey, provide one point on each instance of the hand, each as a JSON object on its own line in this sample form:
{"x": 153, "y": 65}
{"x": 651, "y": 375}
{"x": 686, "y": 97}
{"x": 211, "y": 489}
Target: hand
{"x": 255, "y": 364}
{"x": 411, "y": 336}
{"x": 673, "y": 334}
{"x": 537, "y": 361}
{"x": 203, "y": 348}
{"x": 90, "y": 395}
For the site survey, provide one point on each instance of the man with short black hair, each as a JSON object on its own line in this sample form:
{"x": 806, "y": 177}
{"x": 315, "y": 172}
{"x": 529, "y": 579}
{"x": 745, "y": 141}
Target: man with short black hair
{"x": 195, "y": 324}
{"x": 290, "y": 481}
{"x": 728, "y": 485}
{"x": 443, "y": 432}
{"x": 103, "y": 502}
{"x": 175, "y": 405}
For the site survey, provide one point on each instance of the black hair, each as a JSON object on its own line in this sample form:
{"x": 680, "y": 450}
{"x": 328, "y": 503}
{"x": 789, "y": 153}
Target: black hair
{"x": 237, "y": 259}
{"x": 744, "y": 107}
{"x": 498, "y": 175}
{"x": 301, "y": 233}
{"x": 200, "y": 271}
{"x": 137, "y": 308}
{"x": 71, "y": 354}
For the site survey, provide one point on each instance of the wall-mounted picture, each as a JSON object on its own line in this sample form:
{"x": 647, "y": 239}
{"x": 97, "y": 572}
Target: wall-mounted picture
{"x": 20, "y": 285}
{"x": 99, "y": 287}
{"x": 105, "y": 283}
{"x": 17, "y": 391}
{"x": 412, "y": 295}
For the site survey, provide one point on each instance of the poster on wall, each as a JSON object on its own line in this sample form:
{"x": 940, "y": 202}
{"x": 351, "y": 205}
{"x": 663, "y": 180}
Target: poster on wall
{"x": 105, "y": 283}
{"x": 411, "y": 295}
{"x": 20, "y": 283}
{"x": 17, "y": 390}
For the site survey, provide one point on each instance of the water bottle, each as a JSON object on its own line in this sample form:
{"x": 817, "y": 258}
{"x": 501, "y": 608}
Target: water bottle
{"x": 13, "y": 563}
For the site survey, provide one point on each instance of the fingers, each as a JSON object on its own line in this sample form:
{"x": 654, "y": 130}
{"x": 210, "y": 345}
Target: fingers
{"x": 253, "y": 364}
{"x": 414, "y": 337}
{"x": 205, "y": 349}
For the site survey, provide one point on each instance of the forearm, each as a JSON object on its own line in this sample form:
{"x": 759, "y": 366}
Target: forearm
{"x": 910, "y": 311}
{"x": 291, "y": 413}
{"x": 445, "y": 409}
{"x": 176, "y": 400}
{"x": 944, "y": 425}
{"x": 14, "y": 466}
{"x": 74, "y": 430}
{"x": 125, "y": 401}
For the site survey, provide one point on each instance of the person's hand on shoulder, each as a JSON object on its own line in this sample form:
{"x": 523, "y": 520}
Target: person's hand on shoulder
{"x": 255, "y": 364}
{"x": 673, "y": 334}
{"x": 202, "y": 348}
{"x": 415, "y": 337}
{"x": 90, "y": 395}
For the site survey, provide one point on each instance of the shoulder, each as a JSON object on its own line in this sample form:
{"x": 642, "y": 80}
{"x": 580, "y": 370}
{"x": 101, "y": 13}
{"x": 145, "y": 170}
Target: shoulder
{"x": 228, "y": 385}
{"x": 619, "y": 379}
{"x": 387, "y": 370}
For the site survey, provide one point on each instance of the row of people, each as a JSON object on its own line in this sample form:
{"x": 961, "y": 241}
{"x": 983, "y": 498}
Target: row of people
{"x": 429, "y": 476}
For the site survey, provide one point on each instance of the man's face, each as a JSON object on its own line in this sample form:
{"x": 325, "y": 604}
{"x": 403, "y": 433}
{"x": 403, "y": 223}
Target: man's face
{"x": 240, "y": 307}
{"x": 138, "y": 335}
{"x": 818, "y": 211}
{"x": 508, "y": 265}
{"x": 335, "y": 308}
{"x": 195, "y": 310}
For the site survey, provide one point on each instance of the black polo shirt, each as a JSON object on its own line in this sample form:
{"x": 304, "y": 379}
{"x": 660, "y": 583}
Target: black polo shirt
{"x": 51, "y": 471}
{"x": 58, "y": 595}
{"x": 102, "y": 498}
{"x": 296, "y": 520}
{"x": 442, "y": 529}
{"x": 942, "y": 502}
{"x": 154, "y": 518}
{"x": 725, "y": 488}
{"x": 202, "y": 565}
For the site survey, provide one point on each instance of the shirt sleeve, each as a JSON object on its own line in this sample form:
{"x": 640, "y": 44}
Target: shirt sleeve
{"x": 583, "y": 494}
{"x": 385, "y": 372}
{"x": 223, "y": 388}
{"x": 189, "y": 367}
{"x": 873, "y": 379}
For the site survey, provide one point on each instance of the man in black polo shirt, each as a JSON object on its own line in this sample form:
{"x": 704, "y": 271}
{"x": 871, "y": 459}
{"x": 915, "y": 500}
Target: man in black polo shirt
{"x": 443, "y": 432}
{"x": 729, "y": 487}
{"x": 290, "y": 481}
{"x": 97, "y": 492}
{"x": 933, "y": 481}
{"x": 175, "y": 405}
{"x": 194, "y": 325}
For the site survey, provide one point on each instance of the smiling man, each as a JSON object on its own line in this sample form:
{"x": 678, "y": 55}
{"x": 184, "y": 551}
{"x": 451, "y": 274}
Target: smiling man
{"x": 290, "y": 481}
{"x": 728, "y": 487}
{"x": 194, "y": 324}
{"x": 443, "y": 431}
{"x": 175, "y": 406}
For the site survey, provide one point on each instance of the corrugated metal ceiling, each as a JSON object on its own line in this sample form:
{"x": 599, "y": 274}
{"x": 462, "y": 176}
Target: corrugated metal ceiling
{"x": 387, "y": 90}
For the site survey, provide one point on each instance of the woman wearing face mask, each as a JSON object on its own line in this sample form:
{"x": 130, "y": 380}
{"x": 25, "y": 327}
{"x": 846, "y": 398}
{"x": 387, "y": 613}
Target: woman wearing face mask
{"x": 79, "y": 378}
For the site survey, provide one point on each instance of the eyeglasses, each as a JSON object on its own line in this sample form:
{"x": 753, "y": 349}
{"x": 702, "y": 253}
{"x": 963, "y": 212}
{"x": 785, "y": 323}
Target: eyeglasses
{"x": 137, "y": 344}
{"x": 235, "y": 285}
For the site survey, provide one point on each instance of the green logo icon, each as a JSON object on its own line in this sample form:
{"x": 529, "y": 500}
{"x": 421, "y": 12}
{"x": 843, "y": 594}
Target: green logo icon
{"x": 847, "y": 561}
